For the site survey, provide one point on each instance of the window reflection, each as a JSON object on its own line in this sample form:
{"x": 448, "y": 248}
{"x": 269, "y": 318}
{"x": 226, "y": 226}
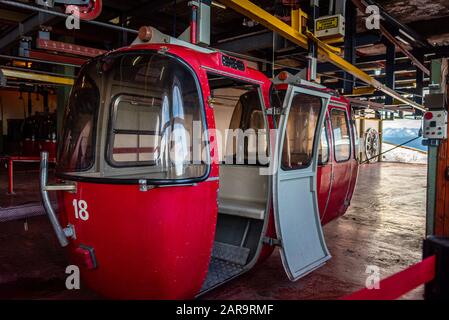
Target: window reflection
{"x": 300, "y": 132}
{"x": 340, "y": 130}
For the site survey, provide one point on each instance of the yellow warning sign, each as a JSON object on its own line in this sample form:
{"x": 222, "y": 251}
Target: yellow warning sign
{"x": 326, "y": 24}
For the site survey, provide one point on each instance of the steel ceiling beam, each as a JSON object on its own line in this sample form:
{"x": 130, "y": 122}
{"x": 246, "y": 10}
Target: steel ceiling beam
{"x": 50, "y": 13}
{"x": 23, "y": 28}
{"x": 264, "y": 40}
{"x": 419, "y": 39}
{"x": 28, "y": 75}
{"x": 399, "y": 66}
{"x": 254, "y": 12}
{"x": 361, "y": 6}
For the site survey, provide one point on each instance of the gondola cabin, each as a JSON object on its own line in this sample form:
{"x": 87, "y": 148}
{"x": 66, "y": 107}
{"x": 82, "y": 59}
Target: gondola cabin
{"x": 181, "y": 168}
{"x": 39, "y": 134}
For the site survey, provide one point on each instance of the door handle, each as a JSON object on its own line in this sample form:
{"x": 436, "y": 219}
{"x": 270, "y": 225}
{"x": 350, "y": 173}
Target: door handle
{"x": 61, "y": 233}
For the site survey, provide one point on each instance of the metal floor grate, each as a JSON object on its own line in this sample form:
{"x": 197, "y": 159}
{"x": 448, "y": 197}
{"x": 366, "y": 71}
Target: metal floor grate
{"x": 23, "y": 211}
{"x": 230, "y": 253}
{"x": 220, "y": 271}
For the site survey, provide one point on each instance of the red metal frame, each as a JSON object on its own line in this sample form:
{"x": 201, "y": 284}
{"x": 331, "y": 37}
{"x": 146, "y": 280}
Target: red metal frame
{"x": 68, "y": 48}
{"x": 400, "y": 283}
{"x": 11, "y": 160}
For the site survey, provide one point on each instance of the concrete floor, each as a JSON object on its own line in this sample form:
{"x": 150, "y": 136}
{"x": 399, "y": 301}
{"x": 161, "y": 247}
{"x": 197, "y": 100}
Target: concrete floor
{"x": 25, "y": 200}
{"x": 384, "y": 227}
{"x": 26, "y": 185}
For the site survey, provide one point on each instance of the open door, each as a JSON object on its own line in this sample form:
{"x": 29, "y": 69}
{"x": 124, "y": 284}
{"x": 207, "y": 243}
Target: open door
{"x": 303, "y": 248}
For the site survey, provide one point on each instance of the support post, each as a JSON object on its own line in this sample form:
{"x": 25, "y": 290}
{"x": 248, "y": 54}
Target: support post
{"x": 419, "y": 80}
{"x": 438, "y": 164}
{"x": 438, "y": 289}
{"x": 350, "y": 45}
{"x": 123, "y": 36}
{"x": 432, "y": 156}
{"x": 313, "y": 48}
{"x": 389, "y": 69}
{"x": 380, "y": 131}
{"x": 362, "y": 138}
{"x": 193, "y": 23}
{"x": 10, "y": 176}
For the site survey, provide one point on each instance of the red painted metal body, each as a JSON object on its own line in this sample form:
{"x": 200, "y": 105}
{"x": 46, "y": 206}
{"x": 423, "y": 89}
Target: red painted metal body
{"x": 23, "y": 159}
{"x": 337, "y": 180}
{"x": 63, "y": 47}
{"x": 157, "y": 244}
{"x": 149, "y": 245}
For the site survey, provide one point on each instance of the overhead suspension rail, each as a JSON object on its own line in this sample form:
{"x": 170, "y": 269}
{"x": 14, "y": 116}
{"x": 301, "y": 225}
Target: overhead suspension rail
{"x": 43, "y": 77}
{"x": 63, "y": 15}
{"x": 8, "y": 57}
{"x": 361, "y": 6}
{"x": 254, "y": 12}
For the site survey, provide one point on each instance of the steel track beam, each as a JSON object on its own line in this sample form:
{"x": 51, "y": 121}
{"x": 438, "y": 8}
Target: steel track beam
{"x": 254, "y": 12}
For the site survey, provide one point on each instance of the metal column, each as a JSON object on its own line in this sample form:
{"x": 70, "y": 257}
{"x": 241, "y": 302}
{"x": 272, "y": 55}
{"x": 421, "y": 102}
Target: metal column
{"x": 313, "y": 48}
{"x": 419, "y": 81}
{"x": 389, "y": 69}
{"x": 350, "y": 44}
{"x": 436, "y": 181}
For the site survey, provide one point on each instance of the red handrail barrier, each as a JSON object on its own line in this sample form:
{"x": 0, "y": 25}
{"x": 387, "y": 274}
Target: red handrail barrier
{"x": 11, "y": 159}
{"x": 400, "y": 283}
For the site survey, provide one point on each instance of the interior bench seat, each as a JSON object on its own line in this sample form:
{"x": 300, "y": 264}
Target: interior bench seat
{"x": 242, "y": 208}
{"x": 243, "y": 191}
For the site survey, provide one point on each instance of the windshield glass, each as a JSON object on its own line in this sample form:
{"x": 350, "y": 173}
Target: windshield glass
{"x": 76, "y": 148}
{"x": 154, "y": 118}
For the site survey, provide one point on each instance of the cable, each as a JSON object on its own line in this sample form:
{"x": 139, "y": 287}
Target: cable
{"x": 398, "y": 146}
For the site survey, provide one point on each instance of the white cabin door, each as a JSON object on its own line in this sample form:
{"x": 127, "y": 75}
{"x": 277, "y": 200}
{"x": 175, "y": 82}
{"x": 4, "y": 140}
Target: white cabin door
{"x": 303, "y": 248}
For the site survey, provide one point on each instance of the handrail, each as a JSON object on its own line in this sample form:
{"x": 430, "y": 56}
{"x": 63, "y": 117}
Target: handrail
{"x": 400, "y": 283}
{"x": 61, "y": 233}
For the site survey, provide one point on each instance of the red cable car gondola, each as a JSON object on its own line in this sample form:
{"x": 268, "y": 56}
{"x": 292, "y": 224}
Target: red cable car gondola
{"x": 30, "y": 131}
{"x": 39, "y": 134}
{"x": 157, "y": 204}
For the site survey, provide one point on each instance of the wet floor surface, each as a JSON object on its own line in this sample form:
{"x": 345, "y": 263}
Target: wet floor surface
{"x": 25, "y": 185}
{"x": 384, "y": 227}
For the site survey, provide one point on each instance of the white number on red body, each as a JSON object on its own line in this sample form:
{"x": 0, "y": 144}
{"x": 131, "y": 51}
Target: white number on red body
{"x": 80, "y": 207}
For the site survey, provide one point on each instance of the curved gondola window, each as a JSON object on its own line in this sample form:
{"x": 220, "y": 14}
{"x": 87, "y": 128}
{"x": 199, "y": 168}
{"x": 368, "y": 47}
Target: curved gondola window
{"x": 301, "y": 131}
{"x": 323, "y": 151}
{"x": 156, "y": 123}
{"x": 76, "y": 148}
{"x": 342, "y": 139}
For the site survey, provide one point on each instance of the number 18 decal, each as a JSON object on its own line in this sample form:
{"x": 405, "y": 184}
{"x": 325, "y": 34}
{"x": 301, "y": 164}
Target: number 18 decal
{"x": 80, "y": 207}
